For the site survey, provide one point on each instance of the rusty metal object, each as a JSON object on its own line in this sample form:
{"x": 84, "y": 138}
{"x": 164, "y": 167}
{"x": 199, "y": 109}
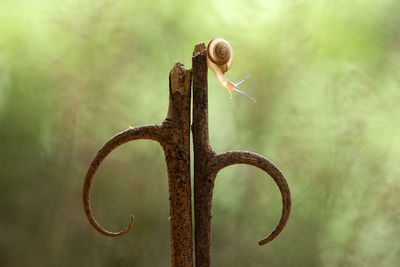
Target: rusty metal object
{"x": 207, "y": 164}
{"x": 174, "y": 137}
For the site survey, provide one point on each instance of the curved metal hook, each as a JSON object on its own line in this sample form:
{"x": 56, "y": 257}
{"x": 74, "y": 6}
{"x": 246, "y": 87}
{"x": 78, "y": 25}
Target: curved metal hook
{"x": 151, "y": 132}
{"x": 250, "y": 158}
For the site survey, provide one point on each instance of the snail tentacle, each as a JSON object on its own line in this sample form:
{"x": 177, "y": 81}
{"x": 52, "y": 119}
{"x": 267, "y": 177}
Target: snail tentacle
{"x": 246, "y": 94}
{"x": 241, "y": 91}
{"x": 243, "y": 79}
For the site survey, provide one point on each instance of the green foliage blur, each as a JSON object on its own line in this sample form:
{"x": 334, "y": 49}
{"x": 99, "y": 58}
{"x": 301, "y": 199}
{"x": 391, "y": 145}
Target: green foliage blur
{"x": 326, "y": 75}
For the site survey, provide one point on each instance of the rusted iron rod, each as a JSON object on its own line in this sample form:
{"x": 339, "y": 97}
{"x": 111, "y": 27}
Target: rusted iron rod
{"x": 207, "y": 164}
{"x": 174, "y": 136}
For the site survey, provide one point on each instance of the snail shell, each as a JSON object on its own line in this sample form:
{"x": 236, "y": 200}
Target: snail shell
{"x": 220, "y": 52}
{"x": 219, "y": 61}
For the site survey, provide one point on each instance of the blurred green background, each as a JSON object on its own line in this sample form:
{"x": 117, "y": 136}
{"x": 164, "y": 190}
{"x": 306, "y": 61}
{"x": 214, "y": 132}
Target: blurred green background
{"x": 326, "y": 75}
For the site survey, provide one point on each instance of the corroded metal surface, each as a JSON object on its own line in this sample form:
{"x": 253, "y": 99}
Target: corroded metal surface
{"x": 207, "y": 164}
{"x": 174, "y": 136}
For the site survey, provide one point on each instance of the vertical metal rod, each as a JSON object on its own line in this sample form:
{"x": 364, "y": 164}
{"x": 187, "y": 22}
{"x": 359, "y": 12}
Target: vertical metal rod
{"x": 203, "y": 183}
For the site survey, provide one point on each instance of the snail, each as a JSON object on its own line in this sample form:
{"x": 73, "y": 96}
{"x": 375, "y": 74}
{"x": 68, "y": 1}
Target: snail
{"x": 219, "y": 60}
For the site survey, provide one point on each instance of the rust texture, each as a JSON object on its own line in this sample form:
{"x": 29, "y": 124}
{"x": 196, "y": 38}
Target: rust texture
{"x": 174, "y": 136}
{"x": 207, "y": 164}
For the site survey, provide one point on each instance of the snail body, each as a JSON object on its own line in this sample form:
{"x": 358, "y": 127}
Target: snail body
{"x": 219, "y": 61}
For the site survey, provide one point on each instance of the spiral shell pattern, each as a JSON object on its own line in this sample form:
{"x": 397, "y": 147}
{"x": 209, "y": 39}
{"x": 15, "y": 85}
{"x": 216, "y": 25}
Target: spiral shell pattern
{"x": 220, "y": 52}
